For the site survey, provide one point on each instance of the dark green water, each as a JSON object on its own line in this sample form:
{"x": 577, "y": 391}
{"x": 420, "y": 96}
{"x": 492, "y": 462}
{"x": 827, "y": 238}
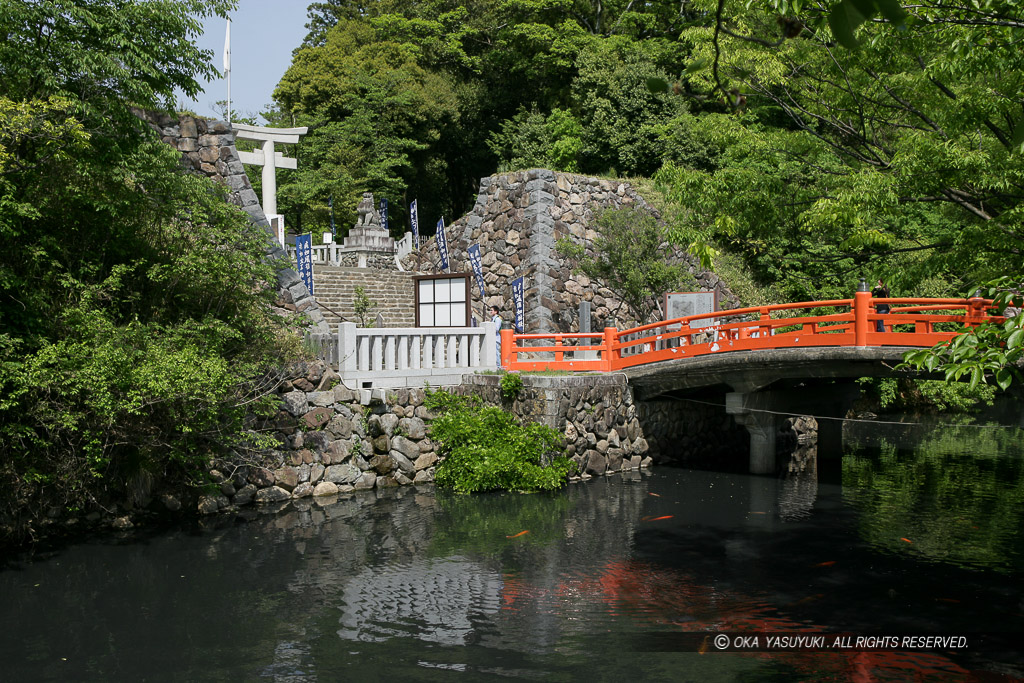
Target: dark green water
{"x": 914, "y": 531}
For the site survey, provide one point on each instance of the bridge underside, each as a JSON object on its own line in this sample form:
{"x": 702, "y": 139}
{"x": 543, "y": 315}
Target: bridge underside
{"x": 750, "y": 371}
{"x": 756, "y": 403}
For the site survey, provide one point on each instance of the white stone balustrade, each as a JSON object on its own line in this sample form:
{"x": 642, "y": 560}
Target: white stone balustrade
{"x": 331, "y": 254}
{"x": 396, "y": 357}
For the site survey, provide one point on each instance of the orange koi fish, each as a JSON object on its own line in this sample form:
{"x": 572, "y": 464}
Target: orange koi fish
{"x": 656, "y": 495}
{"x": 825, "y": 564}
{"x": 655, "y": 519}
{"x": 906, "y": 539}
{"x": 521, "y": 533}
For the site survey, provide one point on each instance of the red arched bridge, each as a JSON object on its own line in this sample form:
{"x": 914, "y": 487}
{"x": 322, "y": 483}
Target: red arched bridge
{"x": 750, "y": 349}
{"x": 840, "y": 323}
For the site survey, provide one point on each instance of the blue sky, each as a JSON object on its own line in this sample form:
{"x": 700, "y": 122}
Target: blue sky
{"x": 263, "y": 35}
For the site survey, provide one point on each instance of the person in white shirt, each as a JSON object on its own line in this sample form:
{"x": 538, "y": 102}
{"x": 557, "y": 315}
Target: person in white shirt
{"x": 496, "y": 319}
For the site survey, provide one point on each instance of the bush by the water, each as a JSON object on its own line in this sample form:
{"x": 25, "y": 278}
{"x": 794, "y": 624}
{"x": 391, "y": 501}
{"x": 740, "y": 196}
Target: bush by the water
{"x": 488, "y": 449}
{"x": 896, "y": 394}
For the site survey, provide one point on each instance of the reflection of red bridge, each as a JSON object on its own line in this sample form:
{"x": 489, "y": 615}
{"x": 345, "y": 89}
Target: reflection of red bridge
{"x": 670, "y": 603}
{"x": 911, "y": 322}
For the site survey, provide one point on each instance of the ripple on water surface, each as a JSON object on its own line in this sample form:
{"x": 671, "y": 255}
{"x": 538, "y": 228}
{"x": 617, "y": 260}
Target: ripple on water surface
{"x": 619, "y": 578}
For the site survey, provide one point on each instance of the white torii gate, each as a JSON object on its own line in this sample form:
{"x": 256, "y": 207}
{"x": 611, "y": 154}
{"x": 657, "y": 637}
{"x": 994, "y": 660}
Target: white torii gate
{"x": 270, "y": 161}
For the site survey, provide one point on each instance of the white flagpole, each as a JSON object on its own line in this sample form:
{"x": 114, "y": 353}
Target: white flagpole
{"x": 227, "y": 65}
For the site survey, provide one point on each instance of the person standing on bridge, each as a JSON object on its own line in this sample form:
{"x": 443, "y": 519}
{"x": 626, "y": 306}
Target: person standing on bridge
{"x": 496, "y": 319}
{"x": 880, "y": 292}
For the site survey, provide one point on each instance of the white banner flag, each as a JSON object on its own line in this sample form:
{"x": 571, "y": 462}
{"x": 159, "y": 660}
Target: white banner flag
{"x": 227, "y": 48}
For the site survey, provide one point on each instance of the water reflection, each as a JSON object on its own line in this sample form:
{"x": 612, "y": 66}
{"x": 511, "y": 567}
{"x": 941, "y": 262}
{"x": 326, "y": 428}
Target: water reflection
{"x": 800, "y": 483}
{"x": 413, "y": 584}
{"x": 951, "y": 494}
{"x": 435, "y": 601}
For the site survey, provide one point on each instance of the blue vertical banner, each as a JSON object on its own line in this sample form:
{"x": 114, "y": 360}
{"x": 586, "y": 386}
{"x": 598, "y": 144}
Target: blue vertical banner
{"x": 304, "y": 259}
{"x": 442, "y": 244}
{"x": 478, "y": 267}
{"x": 519, "y": 303}
{"x": 414, "y": 218}
{"x": 384, "y": 213}
{"x": 330, "y": 205}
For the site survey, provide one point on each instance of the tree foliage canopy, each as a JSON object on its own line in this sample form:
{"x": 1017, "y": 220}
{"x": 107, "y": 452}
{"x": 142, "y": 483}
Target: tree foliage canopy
{"x": 134, "y": 313}
{"x": 819, "y": 142}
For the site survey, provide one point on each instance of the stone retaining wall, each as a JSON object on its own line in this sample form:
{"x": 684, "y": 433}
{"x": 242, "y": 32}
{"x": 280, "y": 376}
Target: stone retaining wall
{"x": 332, "y": 440}
{"x": 518, "y": 219}
{"x": 373, "y": 260}
{"x": 208, "y": 148}
{"x": 595, "y": 414}
{"x": 681, "y": 430}
{"x": 336, "y": 440}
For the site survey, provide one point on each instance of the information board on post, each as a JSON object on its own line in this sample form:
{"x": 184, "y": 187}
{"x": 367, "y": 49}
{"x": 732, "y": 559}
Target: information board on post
{"x": 685, "y": 304}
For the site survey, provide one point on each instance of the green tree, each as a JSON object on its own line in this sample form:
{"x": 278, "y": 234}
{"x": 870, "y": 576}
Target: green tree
{"x": 134, "y": 321}
{"x": 629, "y": 257}
{"x": 898, "y": 154}
{"x": 532, "y": 140}
{"x": 373, "y": 112}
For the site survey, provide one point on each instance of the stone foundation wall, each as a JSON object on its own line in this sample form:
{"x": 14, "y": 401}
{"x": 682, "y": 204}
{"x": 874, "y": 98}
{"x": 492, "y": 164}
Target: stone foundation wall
{"x": 374, "y": 261}
{"x": 208, "y": 148}
{"x": 682, "y": 430}
{"x": 518, "y": 219}
{"x": 594, "y": 413}
{"x": 333, "y": 440}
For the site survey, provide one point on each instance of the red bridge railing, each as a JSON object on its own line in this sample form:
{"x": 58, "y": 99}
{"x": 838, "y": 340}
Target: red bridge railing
{"x": 909, "y": 322}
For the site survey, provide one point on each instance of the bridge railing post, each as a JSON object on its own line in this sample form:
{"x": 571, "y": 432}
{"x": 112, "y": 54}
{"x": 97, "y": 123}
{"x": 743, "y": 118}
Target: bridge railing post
{"x": 861, "y": 309}
{"x": 609, "y": 356}
{"x": 765, "y": 328}
{"x": 975, "y": 311}
{"x": 506, "y": 349}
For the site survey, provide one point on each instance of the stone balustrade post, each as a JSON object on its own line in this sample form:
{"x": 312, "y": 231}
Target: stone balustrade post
{"x": 346, "y": 348}
{"x": 489, "y": 351}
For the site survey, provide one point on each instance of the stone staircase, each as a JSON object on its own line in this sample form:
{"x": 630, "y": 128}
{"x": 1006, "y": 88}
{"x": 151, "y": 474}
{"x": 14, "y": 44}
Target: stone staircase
{"x": 391, "y": 290}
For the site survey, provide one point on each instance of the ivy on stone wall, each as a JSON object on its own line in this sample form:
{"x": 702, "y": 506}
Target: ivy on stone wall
{"x": 488, "y": 449}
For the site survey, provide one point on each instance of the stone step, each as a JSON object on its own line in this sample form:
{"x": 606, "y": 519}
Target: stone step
{"x": 391, "y": 291}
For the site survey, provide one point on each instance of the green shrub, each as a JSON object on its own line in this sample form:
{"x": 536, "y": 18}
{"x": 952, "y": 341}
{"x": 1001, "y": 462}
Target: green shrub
{"x": 511, "y": 385}
{"x": 903, "y": 394}
{"x": 488, "y": 449}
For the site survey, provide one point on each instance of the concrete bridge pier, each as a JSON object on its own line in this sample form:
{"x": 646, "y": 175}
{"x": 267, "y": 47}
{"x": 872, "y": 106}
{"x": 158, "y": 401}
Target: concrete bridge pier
{"x": 752, "y": 411}
{"x": 761, "y": 411}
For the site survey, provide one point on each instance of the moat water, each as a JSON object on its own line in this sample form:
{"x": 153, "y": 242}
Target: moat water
{"x": 911, "y": 531}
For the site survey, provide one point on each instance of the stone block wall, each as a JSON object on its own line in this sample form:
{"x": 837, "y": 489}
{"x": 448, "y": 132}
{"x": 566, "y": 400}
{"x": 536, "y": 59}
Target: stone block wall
{"x": 374, "y": 261}
{"x": 680, "y": 430}
{"x": 595, "y": 414}
{"x": 518, "y": 219}
{"x": 391, "y": 292}
{"x": 333, "y": 440}
{"x": 208, "y": 148}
